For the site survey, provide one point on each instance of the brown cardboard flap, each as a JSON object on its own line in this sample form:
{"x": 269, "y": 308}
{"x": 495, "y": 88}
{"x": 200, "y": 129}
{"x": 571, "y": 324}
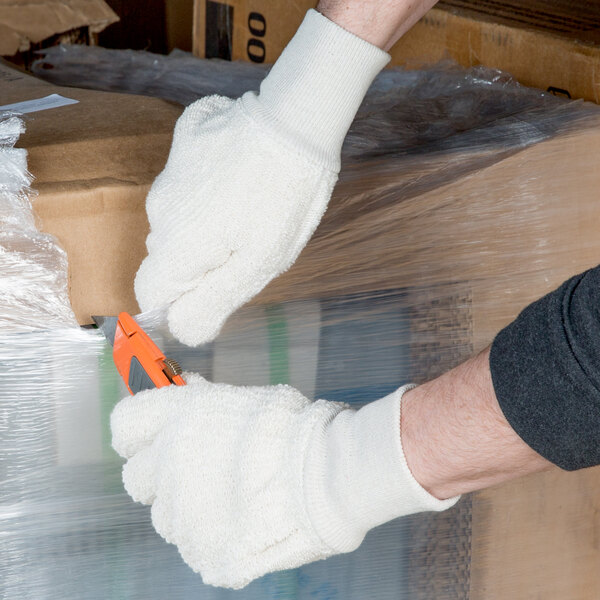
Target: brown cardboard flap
{"x": 25, "y": 21}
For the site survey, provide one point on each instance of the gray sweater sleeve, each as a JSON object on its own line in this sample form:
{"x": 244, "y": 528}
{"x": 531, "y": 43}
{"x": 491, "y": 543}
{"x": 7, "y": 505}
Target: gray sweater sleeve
{"x": 546, "y": 372}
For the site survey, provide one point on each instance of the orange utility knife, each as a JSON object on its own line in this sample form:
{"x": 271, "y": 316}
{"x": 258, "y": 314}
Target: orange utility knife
{"x": 140, "y": 362}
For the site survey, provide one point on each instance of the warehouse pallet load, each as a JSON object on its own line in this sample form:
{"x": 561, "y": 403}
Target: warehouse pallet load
{"x": 462, "y": 198}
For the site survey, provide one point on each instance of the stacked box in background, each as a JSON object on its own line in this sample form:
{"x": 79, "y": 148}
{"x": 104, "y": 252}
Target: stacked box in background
{"x": 548, "y": 45}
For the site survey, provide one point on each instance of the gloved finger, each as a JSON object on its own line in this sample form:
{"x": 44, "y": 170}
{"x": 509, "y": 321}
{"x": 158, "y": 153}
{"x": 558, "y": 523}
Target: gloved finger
{"x": 136, "y": 420}
{"x": 138, "y": 476}
{"x": 162, "y": 278}
{"x": 198, "y": 316}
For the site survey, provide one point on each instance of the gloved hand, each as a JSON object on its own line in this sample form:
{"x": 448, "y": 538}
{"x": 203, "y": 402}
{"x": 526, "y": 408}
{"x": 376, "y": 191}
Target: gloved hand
{"x": 248, "y": 480}
{"x": 247, "y": 181}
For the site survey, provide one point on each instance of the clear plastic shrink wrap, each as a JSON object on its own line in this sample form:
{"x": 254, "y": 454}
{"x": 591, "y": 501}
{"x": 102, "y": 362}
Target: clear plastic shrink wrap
{"x": 410, "y": 272}
{"x": 33, "y": 268}
{"x": 179, "y": 77}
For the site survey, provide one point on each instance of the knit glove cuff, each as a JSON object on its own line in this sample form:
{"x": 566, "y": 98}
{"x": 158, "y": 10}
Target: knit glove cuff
{"x": 356, "y": 475}
{"x": 313, "y": 91}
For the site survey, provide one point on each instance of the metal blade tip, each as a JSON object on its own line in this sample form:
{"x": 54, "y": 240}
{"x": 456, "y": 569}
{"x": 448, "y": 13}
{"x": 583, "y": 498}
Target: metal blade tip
{"x": 108, "y": 325}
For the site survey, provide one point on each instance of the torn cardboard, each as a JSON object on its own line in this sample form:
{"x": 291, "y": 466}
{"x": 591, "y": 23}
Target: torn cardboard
{"x": 23, "y": 22}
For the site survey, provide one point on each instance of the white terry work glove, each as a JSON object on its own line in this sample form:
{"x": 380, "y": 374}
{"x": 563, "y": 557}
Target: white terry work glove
{"x": 249, "y": 480}
{"x": 247, "y": 181}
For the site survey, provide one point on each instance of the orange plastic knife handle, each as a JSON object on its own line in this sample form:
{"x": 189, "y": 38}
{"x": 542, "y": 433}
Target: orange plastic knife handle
{"x": 132, "y": 342}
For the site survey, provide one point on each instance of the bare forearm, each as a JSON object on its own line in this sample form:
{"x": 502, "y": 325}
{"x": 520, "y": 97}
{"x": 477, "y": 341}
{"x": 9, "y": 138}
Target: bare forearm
{"x": 381, "y": 23}
{"x": 455, "y": 437}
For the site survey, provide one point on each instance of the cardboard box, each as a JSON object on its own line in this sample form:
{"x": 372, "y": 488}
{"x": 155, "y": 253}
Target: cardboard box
{"x": 549, "y": 45}
{"x": 23, "y": 22}
{"x": 255, "y": 30}
{"x": 95, "y": 161}
{"x": 93, "y": 164}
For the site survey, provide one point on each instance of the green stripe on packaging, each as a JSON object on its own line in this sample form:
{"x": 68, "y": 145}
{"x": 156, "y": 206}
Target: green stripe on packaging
{"x": 279, "y": 369}
{"x": 284, "y": 584}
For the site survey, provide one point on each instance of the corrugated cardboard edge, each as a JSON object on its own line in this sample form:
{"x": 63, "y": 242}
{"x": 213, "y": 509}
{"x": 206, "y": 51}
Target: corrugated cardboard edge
{"x": 24, "y": 23}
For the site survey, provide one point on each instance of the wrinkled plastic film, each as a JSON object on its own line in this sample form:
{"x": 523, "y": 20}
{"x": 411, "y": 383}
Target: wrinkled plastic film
{"x": 175, "y": 77}
{"x": 33, "y": 267}
{"x": 416, "y": 264}
{"x": 65, "y": 516}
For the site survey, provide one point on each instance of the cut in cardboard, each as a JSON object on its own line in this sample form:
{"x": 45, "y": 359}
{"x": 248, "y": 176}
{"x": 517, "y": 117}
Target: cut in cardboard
{"x": 527, "y": 43}
{"x": 23, "y": 22}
